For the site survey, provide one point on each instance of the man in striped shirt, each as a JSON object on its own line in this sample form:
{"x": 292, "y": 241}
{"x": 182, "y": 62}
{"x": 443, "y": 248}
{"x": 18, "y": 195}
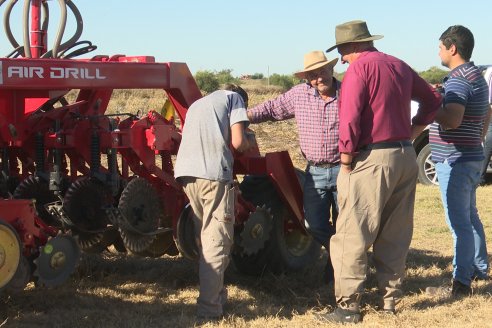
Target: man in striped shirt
{"x": 456, "y": 144}
{"x": 314, "y": 106}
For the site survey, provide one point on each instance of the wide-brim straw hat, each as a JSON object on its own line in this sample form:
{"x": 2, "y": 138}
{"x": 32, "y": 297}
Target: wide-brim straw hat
{"x": 353, "y": 31}
{"x": 314, "y": 60}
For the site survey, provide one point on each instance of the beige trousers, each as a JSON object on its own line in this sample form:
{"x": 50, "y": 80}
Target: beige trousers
{"x": 213, "y": 205}
{"x": 376, "y": 202}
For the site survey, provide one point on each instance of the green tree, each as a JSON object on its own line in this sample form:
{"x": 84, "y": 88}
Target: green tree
{"x": 207, "y": 81}
{"x": 434, "y": 75}
{"x": 284, "y": 81}
{"x": 257, "y": 76}
{"x": 224, "y": 76}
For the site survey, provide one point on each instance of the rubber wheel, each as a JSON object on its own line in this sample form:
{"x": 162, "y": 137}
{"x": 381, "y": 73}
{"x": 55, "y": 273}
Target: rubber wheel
{"x": 185, "y": 235}
{"x": 10, "y": 253}
{"x": 427, "y": 169}
{"x": 288, "y": 248}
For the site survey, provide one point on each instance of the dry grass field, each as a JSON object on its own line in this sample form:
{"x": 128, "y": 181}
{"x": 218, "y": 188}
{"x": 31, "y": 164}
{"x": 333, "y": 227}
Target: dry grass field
{"x": 114, "y": 290}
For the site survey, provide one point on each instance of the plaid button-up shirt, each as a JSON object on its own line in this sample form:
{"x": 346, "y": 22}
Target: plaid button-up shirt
{"x": 317, "y": 120}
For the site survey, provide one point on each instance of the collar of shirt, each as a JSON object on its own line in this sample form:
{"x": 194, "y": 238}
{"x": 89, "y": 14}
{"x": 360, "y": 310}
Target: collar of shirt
{"x": 456, "y": 70}
{"x": 367, "y": 52}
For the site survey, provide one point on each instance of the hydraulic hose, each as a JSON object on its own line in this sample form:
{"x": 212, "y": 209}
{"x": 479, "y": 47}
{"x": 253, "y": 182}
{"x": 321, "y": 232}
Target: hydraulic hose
{"x": 55, "y": 52}
{"x": 46, "y": 16}
{"x": 20, "y": 50}
{"x": 6, "y": 24}
{"x": 61, "y": 27}
{"x": 80, "y": 26}
{"x": 27, "y": 38}
{"x": 58, "y": 46}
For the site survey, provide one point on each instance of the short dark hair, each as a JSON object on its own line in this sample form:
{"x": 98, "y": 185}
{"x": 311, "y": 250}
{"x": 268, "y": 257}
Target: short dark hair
{"x": 238, "y": 89}
{"x": 462, "y": 38}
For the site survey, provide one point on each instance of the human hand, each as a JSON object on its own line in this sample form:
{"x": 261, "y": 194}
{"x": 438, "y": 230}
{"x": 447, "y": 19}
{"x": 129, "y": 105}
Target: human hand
{"x": 250, "y": 136}
{"x": 346, "y": 168}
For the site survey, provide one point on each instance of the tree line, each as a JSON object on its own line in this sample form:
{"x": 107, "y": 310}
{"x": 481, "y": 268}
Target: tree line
{"x": 209, "y": 81}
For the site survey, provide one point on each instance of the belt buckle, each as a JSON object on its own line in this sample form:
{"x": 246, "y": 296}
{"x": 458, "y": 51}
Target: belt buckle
{"x": 326, "y": 165}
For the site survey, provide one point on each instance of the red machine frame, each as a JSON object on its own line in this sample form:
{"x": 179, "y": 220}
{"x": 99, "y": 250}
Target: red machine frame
{"x": 68, "y": 139}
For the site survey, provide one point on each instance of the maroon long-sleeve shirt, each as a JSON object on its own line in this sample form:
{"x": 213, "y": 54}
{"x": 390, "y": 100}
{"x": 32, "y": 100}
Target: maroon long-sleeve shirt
{"x": 375, "y": 101}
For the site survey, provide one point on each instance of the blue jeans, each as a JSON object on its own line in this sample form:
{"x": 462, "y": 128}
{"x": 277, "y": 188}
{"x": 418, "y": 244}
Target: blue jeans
{"x": 487, "y": 151}
{"x": 458, "y": 184}
{"x": 320, "y": 196}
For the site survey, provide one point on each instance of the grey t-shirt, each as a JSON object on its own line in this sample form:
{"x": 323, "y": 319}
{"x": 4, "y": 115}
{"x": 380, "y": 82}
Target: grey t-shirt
{"x": 204, "y": 151}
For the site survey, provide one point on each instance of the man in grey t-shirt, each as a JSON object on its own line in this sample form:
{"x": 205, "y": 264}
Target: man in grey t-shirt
{"x": 214, "y": 124}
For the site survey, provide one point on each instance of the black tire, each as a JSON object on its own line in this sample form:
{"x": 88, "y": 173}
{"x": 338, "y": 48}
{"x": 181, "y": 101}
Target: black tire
{"x": 185, "y": 235}
{"x": 288, "y": 249}
{"x": 427, "y": 170}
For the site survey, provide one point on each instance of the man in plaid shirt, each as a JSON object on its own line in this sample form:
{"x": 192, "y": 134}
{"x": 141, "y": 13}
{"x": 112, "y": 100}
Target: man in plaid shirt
{"x": 315, "y": 108}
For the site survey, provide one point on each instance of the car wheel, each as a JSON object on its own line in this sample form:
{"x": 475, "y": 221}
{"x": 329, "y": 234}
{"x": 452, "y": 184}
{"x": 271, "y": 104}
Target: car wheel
{"x": 427, "y": 169}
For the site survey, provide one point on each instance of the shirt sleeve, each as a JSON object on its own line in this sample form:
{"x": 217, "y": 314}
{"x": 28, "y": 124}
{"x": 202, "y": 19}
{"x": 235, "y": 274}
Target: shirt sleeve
{"x": 458, "y": 90}
{"x": 238, "y": 110}
{"x": 278, "y": 109}
{"x": 353, "y": 97}
{"x": 429, "y": 101}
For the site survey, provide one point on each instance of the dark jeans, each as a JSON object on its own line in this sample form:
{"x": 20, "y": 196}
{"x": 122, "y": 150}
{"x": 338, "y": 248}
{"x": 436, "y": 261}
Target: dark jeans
{"x": 320, "y": 198}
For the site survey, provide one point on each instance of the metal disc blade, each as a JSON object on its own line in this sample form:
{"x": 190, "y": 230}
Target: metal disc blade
{"x": 85, "y": 203}
{"x": 256, "y": 231}
{"x": 141, "y": 213}
{"x": 57, "y": 260}
{"x": 37, "y": 188}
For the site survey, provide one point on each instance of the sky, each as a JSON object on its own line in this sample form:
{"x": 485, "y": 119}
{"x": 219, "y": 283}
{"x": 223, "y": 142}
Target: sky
{"x": 263, "y": 36}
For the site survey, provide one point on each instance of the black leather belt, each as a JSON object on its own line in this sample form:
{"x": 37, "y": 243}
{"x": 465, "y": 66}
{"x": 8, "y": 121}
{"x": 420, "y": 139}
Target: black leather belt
{"x": 387, "y": 145}
{"x": 324, "y": 165}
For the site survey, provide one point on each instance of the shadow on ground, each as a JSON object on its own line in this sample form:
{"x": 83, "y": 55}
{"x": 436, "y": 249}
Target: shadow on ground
{"x": 111, "y": 290}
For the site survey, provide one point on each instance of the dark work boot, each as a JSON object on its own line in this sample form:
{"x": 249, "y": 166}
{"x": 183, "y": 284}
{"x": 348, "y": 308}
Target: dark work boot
{"x": 340, "y": 316}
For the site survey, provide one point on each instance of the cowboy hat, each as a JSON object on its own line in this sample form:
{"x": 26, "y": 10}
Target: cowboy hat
{"x": 314, "y": 60}
{"x": 353, "y": 31}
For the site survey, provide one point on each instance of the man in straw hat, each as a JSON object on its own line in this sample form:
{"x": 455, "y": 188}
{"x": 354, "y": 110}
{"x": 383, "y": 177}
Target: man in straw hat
{"x": 314, "y": 104}
{"x": 378, "y": 175}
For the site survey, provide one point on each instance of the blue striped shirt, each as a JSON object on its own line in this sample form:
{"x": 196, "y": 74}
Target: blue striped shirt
{"x": 466, "y": 86}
